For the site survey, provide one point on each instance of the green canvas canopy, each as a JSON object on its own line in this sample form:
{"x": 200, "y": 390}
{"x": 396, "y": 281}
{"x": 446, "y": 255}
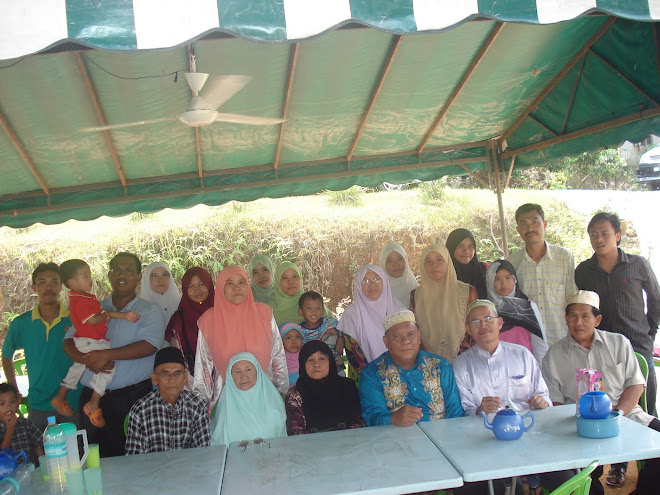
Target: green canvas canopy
{"x": 364, "y": 92}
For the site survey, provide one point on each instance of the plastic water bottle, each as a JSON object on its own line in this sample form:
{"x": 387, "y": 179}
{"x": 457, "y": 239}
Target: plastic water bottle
{"x": 12, "y": 485}
{"x": 56, "y": 456}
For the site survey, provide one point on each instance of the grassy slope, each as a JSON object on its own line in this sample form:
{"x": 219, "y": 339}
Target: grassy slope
{"x": 329, "y": 242}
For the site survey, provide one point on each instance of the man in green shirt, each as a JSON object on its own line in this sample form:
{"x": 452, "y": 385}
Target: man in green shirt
{"x": 40, "y": 333}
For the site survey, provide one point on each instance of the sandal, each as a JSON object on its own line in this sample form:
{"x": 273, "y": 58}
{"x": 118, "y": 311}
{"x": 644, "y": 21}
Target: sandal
{"x": 61, "y": 406}
{"x": 616, "y": 477}
{"x": 95, "y": 417}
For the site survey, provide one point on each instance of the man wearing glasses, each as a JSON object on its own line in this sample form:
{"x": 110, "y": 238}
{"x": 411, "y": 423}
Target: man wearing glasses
{"x": 168, "y": 418}
{"x": 545, "y": 271}
{"x": 132, "y": 349}
{"x": 492, "y": 375}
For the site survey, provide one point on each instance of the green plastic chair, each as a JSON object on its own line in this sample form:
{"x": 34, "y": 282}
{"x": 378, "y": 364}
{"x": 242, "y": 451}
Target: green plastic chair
{"x": 578, "y": 484}
{"x": 644, "y": 366}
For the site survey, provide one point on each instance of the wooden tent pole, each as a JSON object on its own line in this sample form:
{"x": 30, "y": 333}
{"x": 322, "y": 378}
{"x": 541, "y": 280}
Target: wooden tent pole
{"x": 293, "y": 62}
{"x": 494, "y": 156}
{"x": 508, "y": 177}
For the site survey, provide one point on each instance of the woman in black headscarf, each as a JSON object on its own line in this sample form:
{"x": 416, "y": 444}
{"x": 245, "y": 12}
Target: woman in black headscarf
{"x": 463, "y": 251}
{"x": 321, "y": 400}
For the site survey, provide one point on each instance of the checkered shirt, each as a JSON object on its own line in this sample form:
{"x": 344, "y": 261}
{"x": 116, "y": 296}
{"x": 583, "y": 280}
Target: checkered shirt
{"x": 26, "y": 437}
{"x": 156, "y": 426}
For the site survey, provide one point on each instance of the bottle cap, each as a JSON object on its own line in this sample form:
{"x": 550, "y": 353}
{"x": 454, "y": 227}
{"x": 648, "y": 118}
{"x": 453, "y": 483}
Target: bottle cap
{"x": 51, "y": 419}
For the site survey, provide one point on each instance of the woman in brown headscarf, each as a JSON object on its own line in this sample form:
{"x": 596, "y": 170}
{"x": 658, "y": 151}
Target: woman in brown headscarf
{"x": 440, "y": 304}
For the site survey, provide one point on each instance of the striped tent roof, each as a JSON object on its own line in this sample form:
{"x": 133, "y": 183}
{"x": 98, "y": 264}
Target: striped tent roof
{"x": 368, "y": 91}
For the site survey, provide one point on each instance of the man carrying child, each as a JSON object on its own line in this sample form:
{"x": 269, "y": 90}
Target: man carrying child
{"x": 90, "y": 321}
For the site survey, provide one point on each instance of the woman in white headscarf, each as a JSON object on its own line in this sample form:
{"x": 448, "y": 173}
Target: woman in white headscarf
{"x": 394, "y": 260}
{"x": 158, "y": 287}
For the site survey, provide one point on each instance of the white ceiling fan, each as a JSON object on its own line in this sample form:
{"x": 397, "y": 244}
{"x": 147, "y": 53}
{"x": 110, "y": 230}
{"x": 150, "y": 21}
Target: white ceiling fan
{"x": 202, "y": 109}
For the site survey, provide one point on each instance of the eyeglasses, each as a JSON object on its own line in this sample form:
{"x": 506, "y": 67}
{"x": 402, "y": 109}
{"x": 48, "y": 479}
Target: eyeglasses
{"x": 257, "y": 441}
{"x": 375, "y": 280}
{"x": 166, "y": 375}
{"x": 123, "y": 271}
{"x": 478, "y": 321}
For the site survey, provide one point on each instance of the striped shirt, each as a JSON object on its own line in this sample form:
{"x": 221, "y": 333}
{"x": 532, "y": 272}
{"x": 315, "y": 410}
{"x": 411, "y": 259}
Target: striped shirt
{"x": 548, "y": 283}
{"x": 622, "y": 298}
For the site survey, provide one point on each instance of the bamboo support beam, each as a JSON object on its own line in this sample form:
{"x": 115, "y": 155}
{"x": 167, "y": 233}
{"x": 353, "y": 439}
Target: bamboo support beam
{"x": 192, "y": 67}
{"x": 24, "y": 154}
{"x": 247, "y": 185}
{"x": 264, "y": 168}
{"x": 471, "y": 69}
{"x": 576, "y": 58}
{"x": 475, "y": 176}
{"x": 91, "y": 92}
{"x": 508, "y": 177}
{"x": 287, "y": 99}
{"x": 571, "y": 100}
{"x": 494, "y": 155}
{"x": 628, "y": 119}
{"x": 537, "y": 121}
{"x": 372, "y": 101}
{"x": 624, "y": 77}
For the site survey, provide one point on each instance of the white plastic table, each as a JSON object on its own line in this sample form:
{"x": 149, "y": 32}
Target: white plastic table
{"x": 377, "y": 460}
{"x": 176, "y": 472}
{"x": 551, "y": 445}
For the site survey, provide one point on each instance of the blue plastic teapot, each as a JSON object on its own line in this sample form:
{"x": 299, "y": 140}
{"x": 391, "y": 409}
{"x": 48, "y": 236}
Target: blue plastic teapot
{"x": 508, "y": 424}
{"x": 8, "y": 461}
{"x": 595, "y": 405}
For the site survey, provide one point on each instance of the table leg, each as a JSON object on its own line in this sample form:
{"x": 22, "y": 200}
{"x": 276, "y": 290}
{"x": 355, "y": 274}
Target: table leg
{"x": 491, "y": 490}
{"x": 513, "y": 485}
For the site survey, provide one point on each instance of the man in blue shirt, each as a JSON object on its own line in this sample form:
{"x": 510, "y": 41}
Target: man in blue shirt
{"x": 132, "y": 349}
{"x": 405, "y": 385}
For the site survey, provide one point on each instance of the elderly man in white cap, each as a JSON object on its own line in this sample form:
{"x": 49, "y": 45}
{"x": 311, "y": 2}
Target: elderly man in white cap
{"x": 586, "y": 346}
{"x": 493, "y": 374}
{"x": 405, "y": 385}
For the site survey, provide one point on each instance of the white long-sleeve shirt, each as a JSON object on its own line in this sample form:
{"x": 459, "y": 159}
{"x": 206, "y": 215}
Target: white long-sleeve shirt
{"x": 510, "y": 373}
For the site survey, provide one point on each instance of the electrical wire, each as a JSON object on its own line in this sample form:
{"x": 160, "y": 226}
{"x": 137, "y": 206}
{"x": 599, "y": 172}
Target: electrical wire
{"x": 175, "y": 73}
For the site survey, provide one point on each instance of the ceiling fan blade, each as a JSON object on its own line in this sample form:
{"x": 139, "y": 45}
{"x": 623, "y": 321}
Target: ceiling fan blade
{"x": 129, "y": 124}
{"x": 221, "y": 88}
{"x": 235, "y": 118}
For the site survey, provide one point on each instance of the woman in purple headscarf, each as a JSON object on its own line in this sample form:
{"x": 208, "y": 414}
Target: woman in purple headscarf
{"x": 182, "y": 330}
{"x": 362, "y": 321}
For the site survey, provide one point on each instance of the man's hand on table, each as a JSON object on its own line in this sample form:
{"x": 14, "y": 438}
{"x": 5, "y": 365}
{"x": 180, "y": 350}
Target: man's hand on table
{"x": 489, "y": 405}
{"x": 537, "y": 402}
{"x": 406, "y": 416}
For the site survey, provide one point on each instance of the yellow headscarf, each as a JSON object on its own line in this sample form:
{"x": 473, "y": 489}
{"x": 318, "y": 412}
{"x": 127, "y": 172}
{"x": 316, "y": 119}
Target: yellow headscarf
{"x": 440, "y": 308}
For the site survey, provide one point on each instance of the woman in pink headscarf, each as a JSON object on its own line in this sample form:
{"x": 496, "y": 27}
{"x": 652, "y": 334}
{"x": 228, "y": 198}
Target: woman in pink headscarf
{"x": 236, "y": 323}
{"x": 362, "y": 321}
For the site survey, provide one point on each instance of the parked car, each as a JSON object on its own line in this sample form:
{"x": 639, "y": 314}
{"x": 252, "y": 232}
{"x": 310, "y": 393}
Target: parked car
{"x": 648, "y": 171}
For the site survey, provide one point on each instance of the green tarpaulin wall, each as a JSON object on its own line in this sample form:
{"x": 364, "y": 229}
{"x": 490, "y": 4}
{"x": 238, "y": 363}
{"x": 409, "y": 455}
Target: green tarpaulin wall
{"x": 393, "y": 93}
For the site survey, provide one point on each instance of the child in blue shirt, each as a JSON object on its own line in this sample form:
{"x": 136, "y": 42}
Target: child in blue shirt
{"x": 317, "y": 327}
